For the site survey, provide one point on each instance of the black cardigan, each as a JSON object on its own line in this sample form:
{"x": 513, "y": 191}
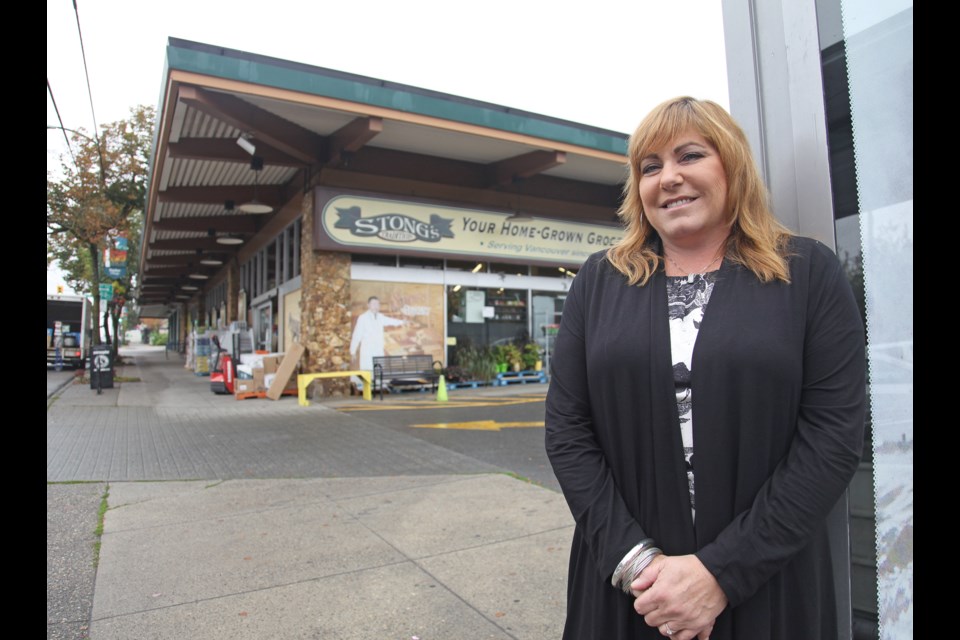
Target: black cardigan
{"x": 779, "y": 398}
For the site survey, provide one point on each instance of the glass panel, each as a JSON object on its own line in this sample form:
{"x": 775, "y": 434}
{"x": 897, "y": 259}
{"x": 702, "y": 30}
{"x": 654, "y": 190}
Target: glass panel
{"x": 546, "y": 272}
{"x": 466, "y": 265}
{"x": 879, "y": 59}
{"x": 296, "y": 248}
{"x": 509, "y": 269}
{"x": 272, "y": 263}
{"x": 264, "y": 327}
{"x": 373, "y": 258}
{"x": 479, "y": 317}
{"x": 421, "y": 263}
{"x": 547, "y": 309}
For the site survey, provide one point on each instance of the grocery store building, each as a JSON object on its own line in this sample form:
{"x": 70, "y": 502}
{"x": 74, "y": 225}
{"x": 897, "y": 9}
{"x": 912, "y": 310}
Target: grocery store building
{"x": 286, "y": 196}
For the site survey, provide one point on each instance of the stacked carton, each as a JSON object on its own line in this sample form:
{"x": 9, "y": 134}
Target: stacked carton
{"x": 271, "y": 373}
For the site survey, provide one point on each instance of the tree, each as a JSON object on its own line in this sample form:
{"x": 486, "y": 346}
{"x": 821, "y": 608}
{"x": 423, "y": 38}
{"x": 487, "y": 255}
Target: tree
{"x": 98, "y": 197}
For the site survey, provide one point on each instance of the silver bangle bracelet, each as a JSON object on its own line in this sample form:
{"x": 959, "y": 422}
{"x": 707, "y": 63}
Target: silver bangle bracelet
{"x": 629, "y": 559}
{"x": 638, "y": 565}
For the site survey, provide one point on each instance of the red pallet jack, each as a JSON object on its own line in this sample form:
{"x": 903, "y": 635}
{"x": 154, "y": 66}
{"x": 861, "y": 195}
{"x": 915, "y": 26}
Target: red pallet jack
{"x": 223, "y": 372}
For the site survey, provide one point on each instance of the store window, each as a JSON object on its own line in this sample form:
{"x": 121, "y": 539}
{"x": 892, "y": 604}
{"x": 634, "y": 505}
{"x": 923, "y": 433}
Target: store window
{"x": 509, "y": 269}
{"x": 484, "y": 317}
{"x": 547, "y": 307}
{"x": 473, "y": 266}
{"x": 552, "y": 272}
{"x": 414, "y": 262}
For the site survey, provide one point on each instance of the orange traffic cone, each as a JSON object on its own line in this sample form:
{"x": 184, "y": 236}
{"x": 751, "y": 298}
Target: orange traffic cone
{"x": 442, "y": 390}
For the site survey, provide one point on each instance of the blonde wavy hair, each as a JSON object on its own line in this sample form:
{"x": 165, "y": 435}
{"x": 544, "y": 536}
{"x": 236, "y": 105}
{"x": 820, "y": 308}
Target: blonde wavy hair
{"x": 757, "y": 240}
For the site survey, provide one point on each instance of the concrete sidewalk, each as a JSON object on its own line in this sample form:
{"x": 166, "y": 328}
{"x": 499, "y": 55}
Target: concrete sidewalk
{"x": 265, "y": 519}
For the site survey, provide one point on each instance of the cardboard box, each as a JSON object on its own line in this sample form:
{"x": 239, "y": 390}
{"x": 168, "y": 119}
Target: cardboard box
{"x": 251, "y": 359}
{"x": 285, "y": 372}
{"x": 271, "y": 364}
{"x": 243, "y": 386}
{"x": 258, "y": 381}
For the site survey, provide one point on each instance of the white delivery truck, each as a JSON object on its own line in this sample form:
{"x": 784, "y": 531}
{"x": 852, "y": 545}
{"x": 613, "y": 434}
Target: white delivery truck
{"x": 68, "y": 330}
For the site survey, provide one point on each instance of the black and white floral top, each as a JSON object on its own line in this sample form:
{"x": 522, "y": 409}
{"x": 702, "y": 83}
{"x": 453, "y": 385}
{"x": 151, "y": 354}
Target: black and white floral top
{"x": 687, "y": 298}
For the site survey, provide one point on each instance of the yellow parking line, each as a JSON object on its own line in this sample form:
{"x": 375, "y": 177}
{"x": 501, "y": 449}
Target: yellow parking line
{"x": 431, "y": 404}
{"x": 477, "y": 425}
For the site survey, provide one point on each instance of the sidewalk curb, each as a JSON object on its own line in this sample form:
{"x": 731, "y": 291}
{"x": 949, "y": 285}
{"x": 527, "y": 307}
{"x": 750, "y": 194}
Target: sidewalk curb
{"x": 65, "y": 384}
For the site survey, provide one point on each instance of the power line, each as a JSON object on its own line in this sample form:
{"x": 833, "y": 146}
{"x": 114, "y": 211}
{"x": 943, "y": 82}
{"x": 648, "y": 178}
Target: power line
{"x": 55, "y": 108}
{"x": 86, "y": 72}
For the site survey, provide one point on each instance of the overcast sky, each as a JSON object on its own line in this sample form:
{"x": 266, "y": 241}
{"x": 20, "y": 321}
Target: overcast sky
{"x": 603, "y": 63}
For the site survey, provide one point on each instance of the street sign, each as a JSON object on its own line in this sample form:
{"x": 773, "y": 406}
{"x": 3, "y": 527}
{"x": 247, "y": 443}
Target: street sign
{"x": 106, "y": 291}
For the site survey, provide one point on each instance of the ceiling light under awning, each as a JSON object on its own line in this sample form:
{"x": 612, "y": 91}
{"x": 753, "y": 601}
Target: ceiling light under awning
{"x": 255, "y": 206}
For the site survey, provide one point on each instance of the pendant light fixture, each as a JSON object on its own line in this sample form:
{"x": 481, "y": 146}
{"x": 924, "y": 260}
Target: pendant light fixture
{"x": 228, "y": 239}
{"x": 255, "y": 206}
{"x": 209, "y": 260}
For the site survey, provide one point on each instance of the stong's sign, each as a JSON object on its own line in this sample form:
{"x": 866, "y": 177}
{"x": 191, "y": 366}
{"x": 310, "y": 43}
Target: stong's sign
{"x": 371, "y": 224}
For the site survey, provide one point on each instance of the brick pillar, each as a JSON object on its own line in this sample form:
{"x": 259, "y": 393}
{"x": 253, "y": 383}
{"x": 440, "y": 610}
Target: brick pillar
{"x": 324, "y": 308}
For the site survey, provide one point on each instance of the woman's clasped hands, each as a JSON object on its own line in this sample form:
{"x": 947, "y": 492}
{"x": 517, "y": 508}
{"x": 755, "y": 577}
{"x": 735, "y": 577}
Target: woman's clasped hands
{"x": 678, "y": 596}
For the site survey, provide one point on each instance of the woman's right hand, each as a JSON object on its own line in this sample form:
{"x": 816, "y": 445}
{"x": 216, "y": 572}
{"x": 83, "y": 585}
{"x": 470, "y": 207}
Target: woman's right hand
{"x": 679, "y": 596}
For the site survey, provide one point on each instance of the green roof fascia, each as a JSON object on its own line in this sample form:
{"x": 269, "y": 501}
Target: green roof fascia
{"x": 301, "y": 80}
{"x": 147, "y": 212}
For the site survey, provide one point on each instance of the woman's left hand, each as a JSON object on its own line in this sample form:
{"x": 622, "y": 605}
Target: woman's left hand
{"x": 679, "y": 596}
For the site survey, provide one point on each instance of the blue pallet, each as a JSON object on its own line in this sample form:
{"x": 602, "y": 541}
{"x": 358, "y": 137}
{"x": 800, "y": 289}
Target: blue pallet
{"x": 521, "y": 377}
{"x": 471, "y": 384}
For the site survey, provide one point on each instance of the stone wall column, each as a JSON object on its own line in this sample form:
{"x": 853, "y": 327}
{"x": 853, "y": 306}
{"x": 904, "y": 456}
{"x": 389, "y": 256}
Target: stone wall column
{"x": 324, "y": 308}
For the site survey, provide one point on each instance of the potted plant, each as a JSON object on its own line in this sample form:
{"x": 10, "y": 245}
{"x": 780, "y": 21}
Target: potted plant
{"x": 513, "y": 355}
{"x": 479, "y": 363}
{"x": 531, "y": 357}
{"x": 500, "y": 354}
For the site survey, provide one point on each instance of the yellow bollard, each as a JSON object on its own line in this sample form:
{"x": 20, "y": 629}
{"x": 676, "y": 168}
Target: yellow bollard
{"x": 442, "y": 390}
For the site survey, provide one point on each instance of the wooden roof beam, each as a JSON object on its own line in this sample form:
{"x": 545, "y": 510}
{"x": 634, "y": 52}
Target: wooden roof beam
{"x": 274, "y": 195}
{"x": 234, "y": 223}
{"x": 352, "y": 137}
{"x": 160, "y": 262}
{"x": 227, "y": 150}
{"x": 188, "y": 243}
{"x": 283, "y": 135}
{"x": 527, "y": 165}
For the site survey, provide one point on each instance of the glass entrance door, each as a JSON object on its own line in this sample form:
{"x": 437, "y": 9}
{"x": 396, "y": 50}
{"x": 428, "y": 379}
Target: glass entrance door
{"x": 263, "y": 326}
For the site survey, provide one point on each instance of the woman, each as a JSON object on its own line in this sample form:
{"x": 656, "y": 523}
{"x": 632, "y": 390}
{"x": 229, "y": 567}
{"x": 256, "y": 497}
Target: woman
{"x": 706, "y": 404}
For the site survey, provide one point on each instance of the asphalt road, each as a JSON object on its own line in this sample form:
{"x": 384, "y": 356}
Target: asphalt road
{"x": 502, "y": 426}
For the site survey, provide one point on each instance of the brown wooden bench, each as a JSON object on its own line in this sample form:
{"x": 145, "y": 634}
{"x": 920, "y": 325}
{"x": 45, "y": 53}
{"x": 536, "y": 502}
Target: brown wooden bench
{"x": 417, "y": 370}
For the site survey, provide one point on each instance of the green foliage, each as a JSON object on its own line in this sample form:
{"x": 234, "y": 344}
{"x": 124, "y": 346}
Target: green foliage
{"x": 531, "y": 355}
{"x": 513, "y": 355}
{"x": 479, "y": 363}
{"x": 99, "y": 195}
{"x": 98, "y": 532}
{"x": 157, "y": 338}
